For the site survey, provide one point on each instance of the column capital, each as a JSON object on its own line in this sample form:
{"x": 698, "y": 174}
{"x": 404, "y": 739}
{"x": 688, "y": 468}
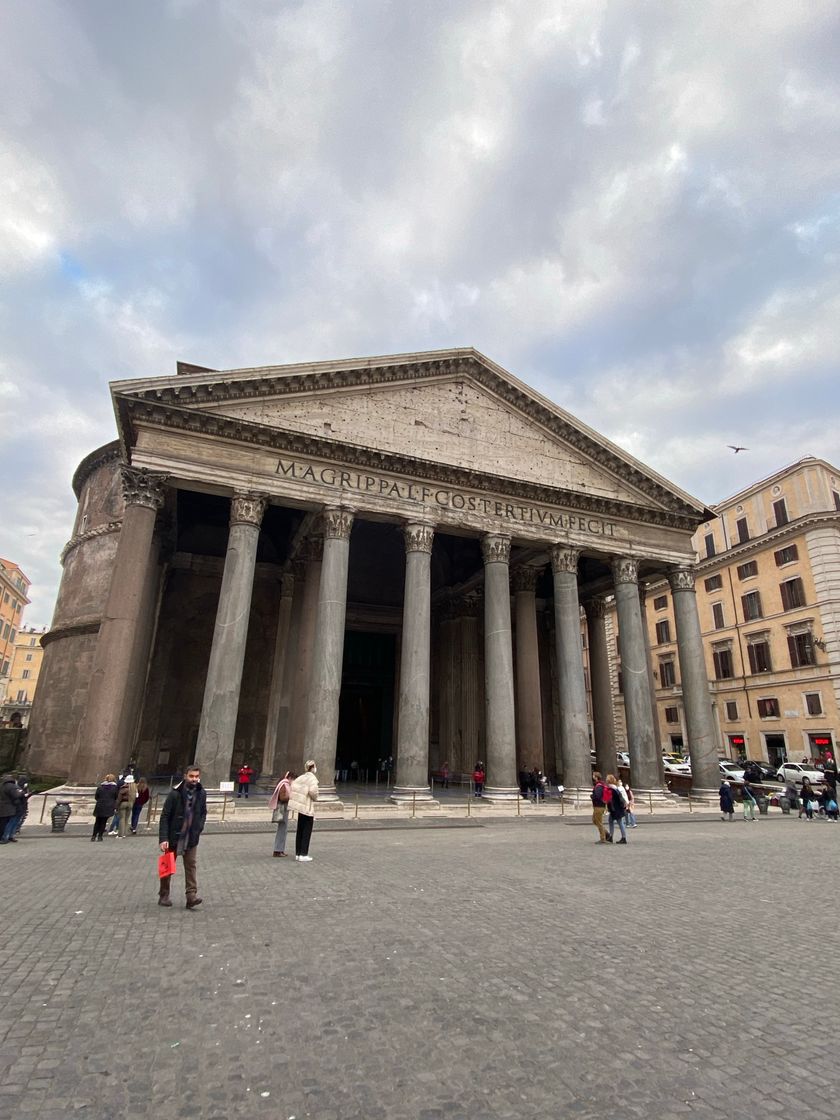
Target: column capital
{"x": 337, "y": 523}
{"x": 564, "y": 559}
{"x": 287, "y": 585}
{"x": 142, "y": 487}
{"x": 247, "y": 508}
{"x": 311, "y": 550}
{"x": 596, "y": 608}
{"x": 625, "y": 569}
{"x": 471, "y": 605}
{"x": 495, "y": 549}
{"x": 525, "y": 578}
{"x": 418, "y": 536}
{"x": 681, "y": 578}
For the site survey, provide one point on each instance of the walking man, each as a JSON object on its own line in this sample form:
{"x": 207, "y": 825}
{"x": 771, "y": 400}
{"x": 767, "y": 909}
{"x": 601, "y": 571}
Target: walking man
{"x": 181, "y": 825}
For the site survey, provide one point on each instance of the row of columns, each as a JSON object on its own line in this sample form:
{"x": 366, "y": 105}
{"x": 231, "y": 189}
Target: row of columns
{"x": 312, "y": 625}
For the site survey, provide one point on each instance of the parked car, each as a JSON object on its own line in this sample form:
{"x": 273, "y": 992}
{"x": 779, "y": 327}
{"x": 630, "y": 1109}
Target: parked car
{"x": 796, "y": 771}
{"x": 673, "y": 764}
{"x": 730, "y": 770}
{"x": 623, "y": 758}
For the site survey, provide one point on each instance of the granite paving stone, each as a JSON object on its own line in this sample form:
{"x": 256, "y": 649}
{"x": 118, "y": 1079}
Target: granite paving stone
{"x": 504, "y": 970}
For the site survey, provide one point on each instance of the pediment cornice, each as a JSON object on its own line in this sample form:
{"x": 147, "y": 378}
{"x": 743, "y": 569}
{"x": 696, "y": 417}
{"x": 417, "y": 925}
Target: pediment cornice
{"x": 219, "y": 426}
{"x": 195, "y": 391}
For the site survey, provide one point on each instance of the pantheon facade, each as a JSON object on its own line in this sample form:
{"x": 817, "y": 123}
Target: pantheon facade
{"x": 379, "y": 558}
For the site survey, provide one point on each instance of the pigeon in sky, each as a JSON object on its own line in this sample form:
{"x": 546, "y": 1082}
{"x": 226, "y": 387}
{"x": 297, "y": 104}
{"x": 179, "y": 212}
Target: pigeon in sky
{"x": 737, "y": 449}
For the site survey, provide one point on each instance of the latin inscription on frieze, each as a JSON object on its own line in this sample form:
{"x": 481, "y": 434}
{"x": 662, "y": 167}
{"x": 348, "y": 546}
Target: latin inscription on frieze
{"x": 442, "y": 497}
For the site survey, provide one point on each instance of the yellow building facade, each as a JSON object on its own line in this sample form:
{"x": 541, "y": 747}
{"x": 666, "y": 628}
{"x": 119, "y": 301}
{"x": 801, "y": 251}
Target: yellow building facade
{"x": 768, "y": 591}
{"x": 14, "y": 586}
{"x": 23, "y": 674}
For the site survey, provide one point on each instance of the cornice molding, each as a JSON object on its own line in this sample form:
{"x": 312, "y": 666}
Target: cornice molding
{"x": 771, "y": 539}
{"x": 283, "y": 441}
{"x": 91, "y": 534}
{"x": 108, "y": 453}
{"x": 72, "y": 630}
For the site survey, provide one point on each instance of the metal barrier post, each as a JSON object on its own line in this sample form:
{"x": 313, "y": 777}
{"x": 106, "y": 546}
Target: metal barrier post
{"x": 224, "y": 804}
{"x": 413, "y": 803}
{"x": 562, "y": 806}
{"x": 469, "y": 803}
{"x": 356, "y": 813}
{"x": 689, "y": 804}
{"x": 650, "y": 801}
{"x": 518, "y": 799}
{"x": 43, "y": 810}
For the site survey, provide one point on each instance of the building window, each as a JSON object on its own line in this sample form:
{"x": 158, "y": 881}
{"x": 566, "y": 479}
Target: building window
{"x": 793, "y": 594}
{"x": 801, "y": 647}
{"x": 660, "y": 602}
{"x": 12, "y": 634}
{"x": 723, "y": 664}
{"x": 663, "y": 631}
{"x": 732, "y": 710}
{"x": 768, "y": 708}
{"x": 713, "y": 583}
{"x": 710, "y": 544}
{"x": 813, "y": 704}
{"x": 751, "y": 606}
{"x": 780, "y": 512}
{"x": 32, "y": 641}
{"x": 4, "y": 670}
{"x": 786, "y": 555}
{"x": 672, "y": 715}
{"x": 21, "y": 696}
{"x": 29, "y": 657}
{"x": 748, "y": 569}
{"x": 742, "y": 530}
{"x": 717, "y": 616}
{"x": 25, "y": 675}
{"x": 667, "y": 677}
{"x": 620, "y": 682}
{"x": 836, "y": 499}
{"x": 759, "y": 655}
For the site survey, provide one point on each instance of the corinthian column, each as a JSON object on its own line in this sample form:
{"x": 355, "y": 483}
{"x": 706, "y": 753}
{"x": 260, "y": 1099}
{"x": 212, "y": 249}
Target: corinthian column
{"x": 603, "y": 723}
{"x": 328, "y": 655}
{"x": 574, "y": 728}
{"x": 644, "y": 769}
{"x": 118, "y": 676}
{"x": 529, "y": 728}
{"x": 276, "y": 716}
{"x": 220, "y": 708}
{"x": 498, "y": 671}
{"x": 412, "y": 781}
{"x": 697, "y": 703}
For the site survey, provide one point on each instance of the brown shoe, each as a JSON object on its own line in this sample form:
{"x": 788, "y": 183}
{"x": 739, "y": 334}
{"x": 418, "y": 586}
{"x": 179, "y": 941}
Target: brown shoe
{"x": 193, "y": 902}
{"x": 276, "y": 854}
{"x": 164, "y": 900}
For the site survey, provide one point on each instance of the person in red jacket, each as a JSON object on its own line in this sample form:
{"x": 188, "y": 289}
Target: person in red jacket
{"x": 478, "y": 779}
{"x": 244, "y": 779}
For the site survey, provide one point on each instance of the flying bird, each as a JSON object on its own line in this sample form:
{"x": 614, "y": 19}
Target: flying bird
{"x": 737, "y": 449}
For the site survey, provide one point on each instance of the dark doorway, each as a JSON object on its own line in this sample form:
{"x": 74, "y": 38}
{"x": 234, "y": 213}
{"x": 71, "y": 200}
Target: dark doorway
{"x": 776, "y": 749}
{"x": 366, "y": 706}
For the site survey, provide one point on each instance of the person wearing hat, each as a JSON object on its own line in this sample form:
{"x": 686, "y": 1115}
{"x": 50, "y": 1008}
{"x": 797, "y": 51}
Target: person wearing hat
{"x": 302, "y": 801}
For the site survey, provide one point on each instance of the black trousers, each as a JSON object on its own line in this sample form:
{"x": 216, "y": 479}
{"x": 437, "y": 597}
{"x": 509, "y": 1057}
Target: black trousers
{"x": 99, "y": 824}
{"x": 303, "y": 834}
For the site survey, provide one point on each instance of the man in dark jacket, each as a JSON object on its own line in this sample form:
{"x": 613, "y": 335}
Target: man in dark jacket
{"x": 11, "y": 809}
{"x": 181, "y": 825}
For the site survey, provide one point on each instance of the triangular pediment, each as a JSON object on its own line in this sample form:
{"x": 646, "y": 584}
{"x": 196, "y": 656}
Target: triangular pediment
{"x": 453, "y": 408}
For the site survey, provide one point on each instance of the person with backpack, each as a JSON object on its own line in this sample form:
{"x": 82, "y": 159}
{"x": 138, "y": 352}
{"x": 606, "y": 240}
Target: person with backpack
{"x": 616, "y": 806}
{"x": 599, "y": 806}
{"x": 279, "y": 805}
{"x": 749, "y": 801}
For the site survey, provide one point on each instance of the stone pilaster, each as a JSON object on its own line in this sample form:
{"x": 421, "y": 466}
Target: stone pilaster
{"x": 118, "y": 678}
{"x": 703, "y": 743}
{"x": 220, "y": 707}
{"x": 641, "y": 739}
{"x": 412, "y": 779}
{"x": 603, "y": 722}
{"x": 574, "y": 727}
{"x": 529, "y": 727}
{"x": 321, "y": 730}
{"x": 501, "y": 784}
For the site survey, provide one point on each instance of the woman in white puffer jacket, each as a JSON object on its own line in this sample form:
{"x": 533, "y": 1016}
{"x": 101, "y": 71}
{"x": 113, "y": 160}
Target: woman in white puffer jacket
{"x": 302, "y": 801}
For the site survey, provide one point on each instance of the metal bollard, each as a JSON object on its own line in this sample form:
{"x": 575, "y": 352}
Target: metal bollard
{"x": 43, "y": 810}
{"x": 224, "y": 804}
{"x": 689, "y": 804}
{"x": 413, "y": 803}
{"x": 356, "y": 813}
{"x": 469, "y": 803}
{"x": 518, "y": 799}
{"x": 650, "y": 801}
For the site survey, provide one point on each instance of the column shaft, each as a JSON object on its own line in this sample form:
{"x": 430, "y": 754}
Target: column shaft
{"x": 641, "y": 739}
{"x": 498, "y": 671}
{"x": 119, "y": 668}
{"x": 412, "y": 780}
{"x": 702, "y": 738}
{"x": 321, "y": 731}
{"x": 278, "y": 664}
{"x": 529, "y": 728}
{"x": 220, "y": 707}
{"x": 312, "y": 553}
{"x": 574, "y": 727}
{"x": 603, "y": 723}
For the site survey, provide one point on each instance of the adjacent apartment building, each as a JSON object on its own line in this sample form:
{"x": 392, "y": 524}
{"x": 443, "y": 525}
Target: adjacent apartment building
{"x": 768, "y": 590}
{"x": 14, "y": 586}
{"x": 23, "y": 676}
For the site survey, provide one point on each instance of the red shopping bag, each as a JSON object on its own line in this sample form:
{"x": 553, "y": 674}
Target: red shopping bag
{"x": 166, "y": 865}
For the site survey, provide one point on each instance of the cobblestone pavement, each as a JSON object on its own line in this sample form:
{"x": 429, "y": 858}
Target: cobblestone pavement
{"x": 505, "y": 970}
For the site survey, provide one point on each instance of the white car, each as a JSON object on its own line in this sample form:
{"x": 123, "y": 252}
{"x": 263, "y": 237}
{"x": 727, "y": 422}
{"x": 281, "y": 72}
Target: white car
{"x": 623, "y": 758}
{"x": 730, "y": 770}
{"x": 676, "y": 766}
{"x": 796, "y": 771}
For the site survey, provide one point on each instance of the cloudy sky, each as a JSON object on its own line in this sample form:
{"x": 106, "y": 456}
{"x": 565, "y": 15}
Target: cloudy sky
{"x": 634, "y": 206}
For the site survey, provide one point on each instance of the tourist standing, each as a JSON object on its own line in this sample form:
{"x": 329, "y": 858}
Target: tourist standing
{"x": 104, "y": 806}
{"x": 444, "y": 775}
{"x": 141, "y": 798}
{"x": 23, "y": 786}
{"x": 727, "y": 803}
{"x": 809, "y": 799}
{"x": 749, "y": 801}
{"x": 279, "y": 805}
{"x": 616, "y": 806}
{"x": 302, "y": 801}
{"x": 11, "y": 809}
{"x": 244, "y": 777}
{"x": 478, "y": 779}
{"x": 630, "y": 815}
{"x": 125, "y": 799}
{"x": 181, "y": 824}
{"x": 598, "y": 806}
